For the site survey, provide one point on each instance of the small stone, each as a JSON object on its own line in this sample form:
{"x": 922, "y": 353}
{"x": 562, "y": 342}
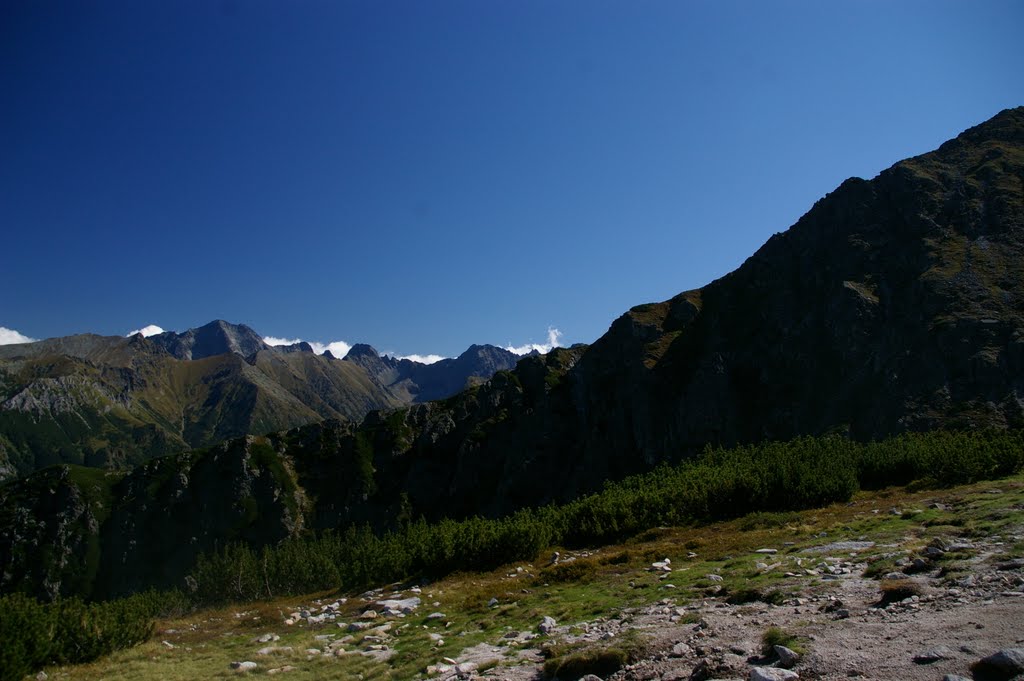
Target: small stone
{"x": 787, "y": 657}
{"x": 281, "y": 670}
{"x": 771, "y": 674}
{"x": 436, "y": 616}
{"x": 369, "y": 615}
{"x": 681, "y": 650}
{"x": 767, "y": 551}
{"x": 934, "y": 655}
{"x": 714, "y": 578}
{"x": 547, "y": 625}
{"x": 491, "y": 603}
{"x": 246, "y": 666}
{"x": 168, "y": 644}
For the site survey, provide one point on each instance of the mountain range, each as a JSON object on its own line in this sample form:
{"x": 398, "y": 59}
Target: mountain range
{"x": 112, "y": 402}
{"x": 893, "y": 305}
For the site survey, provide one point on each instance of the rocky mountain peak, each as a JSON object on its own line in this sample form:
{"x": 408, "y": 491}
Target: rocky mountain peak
{"x": 216, "y": 338}
{"x": 360, "y": 350}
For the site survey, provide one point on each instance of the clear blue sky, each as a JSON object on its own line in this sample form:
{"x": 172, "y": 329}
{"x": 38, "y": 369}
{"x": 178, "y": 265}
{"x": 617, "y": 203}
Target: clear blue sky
{"x": 425, "y": 175}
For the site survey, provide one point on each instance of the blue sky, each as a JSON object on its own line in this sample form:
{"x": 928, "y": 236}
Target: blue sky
{"x": 425, "y": 175}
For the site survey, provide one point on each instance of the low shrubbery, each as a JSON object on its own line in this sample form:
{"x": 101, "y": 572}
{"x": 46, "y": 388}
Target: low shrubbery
{"x": 70, "y": 631}
{"x": 771, "y": 479}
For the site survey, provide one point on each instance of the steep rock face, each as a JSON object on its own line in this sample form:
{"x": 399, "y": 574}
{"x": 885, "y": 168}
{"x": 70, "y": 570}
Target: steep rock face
{"x": 894, "y": 304}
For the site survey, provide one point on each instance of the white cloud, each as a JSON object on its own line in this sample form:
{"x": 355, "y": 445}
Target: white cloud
{"x": 554, "y": 341}
{"x": 338, "y": 348}
{"x": 10, "y": 337}
{"x": 273, "y": 340}
{"x": 146, "y": 331}
{"x": 422, "y": 359}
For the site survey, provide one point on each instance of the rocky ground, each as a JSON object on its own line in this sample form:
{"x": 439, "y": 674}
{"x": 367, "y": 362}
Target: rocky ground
{"x": 920, "y": 590}
{"x": 848, "y": 632}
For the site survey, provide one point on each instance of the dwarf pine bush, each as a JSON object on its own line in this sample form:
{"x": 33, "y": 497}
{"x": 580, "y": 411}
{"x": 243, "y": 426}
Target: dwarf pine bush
{"x": 771, "y": 477}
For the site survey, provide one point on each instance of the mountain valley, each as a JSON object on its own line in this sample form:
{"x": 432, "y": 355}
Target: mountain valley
{"x": 877, "y": 342}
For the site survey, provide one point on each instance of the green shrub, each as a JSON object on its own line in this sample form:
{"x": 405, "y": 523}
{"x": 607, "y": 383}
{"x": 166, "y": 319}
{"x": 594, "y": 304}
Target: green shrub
{"x": 767, "y": 483}
{"x": 70, "y": 631}
{"x": 25, "y": 629}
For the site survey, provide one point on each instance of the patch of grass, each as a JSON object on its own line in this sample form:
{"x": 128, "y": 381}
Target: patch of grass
{"x": 570, "y": 662}
{"x": 752, "y": 595}
{"x": 620, "y": 558}
{"x": 764, "y": 520}
{"x": 572, "y": 571}
{"x": 774, "y": 636}
{"x": 602, "y": 662}
{"x": 896, "y": 590}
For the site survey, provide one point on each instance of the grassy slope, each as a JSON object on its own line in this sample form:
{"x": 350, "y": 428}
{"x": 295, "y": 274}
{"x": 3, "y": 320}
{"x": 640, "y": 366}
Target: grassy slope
{"x": 598, "y": 583}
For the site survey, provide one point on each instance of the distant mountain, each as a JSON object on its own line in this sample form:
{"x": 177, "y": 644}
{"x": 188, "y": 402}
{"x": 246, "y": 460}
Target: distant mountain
{"x": 216, "y": 338}
{"x": 893, "y": 305}
{"x": 113, "y": 402}
{"x": 415, "y": 382}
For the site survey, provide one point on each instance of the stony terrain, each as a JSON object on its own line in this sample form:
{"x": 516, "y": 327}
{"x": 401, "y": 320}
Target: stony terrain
{"x": 673, "y": 604}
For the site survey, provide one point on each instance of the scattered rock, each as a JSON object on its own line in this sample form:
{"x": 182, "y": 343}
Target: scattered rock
{"x": 771, "y": 674}
{"x": 1005, "y": 664}
{"x": 402, "y": 606}
{"x": 547, "y": 625}
{"x": 934, "y": 655}
{"x": 281, "y": 670}
{"x": 266, "y": 638}
{"x": 681, "y": 650}
{"x": 246, "y": 666}
{"x": 787, "y": 657}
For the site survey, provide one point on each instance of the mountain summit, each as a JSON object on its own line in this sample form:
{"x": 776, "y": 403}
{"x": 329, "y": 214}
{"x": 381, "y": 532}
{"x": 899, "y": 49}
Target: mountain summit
{"x": 216, "y": 338}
